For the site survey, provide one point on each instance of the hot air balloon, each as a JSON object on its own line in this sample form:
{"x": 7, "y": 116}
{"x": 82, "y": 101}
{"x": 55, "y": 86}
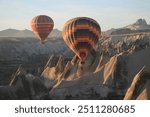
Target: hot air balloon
{"x": 81, "y": 34}
{"x": 42, "y": 25}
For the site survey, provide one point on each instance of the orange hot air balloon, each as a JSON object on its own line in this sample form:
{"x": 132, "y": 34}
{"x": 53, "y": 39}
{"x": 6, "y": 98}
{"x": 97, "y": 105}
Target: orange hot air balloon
{"x": 81, "y": 34}
{"x": 42, "y": 25}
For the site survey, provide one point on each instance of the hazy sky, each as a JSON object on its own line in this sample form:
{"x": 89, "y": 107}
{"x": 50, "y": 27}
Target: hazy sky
{"x": 109, "y": 13}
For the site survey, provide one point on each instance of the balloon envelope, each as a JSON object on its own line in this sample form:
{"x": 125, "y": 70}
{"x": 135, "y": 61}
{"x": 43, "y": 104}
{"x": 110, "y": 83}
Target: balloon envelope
{"x": 42, "y": 25}
{"x": 81, "y": 34}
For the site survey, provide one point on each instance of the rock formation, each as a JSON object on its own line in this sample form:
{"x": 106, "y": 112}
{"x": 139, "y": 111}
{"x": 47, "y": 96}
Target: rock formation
{"x": 100, "y": 73}
{"x": 24, "y": 86}
{"x": 139, "y": 26}
{"x": 28, "y": 52}
{"x": 140, "y": 87}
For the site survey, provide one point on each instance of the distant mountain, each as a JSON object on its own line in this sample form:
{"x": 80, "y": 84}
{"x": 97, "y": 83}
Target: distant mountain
{"x": 26, "y": 33}
{"x": 8, "y": 32}
{"x": 56, "y": 33}
{"x": 139, "y": 26}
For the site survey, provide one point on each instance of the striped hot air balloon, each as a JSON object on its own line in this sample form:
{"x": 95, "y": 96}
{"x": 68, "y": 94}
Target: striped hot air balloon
{"x": 81, "y": 34}
{"x": 42, "y": 25}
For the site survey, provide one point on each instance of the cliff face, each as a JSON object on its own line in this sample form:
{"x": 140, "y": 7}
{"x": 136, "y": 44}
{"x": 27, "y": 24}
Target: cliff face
{"x": 140, "y": 87}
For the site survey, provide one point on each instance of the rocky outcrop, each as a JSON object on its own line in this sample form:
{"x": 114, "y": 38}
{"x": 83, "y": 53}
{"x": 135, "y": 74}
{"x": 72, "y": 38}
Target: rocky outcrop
{"x": 72, "y": 69}
{"x": 28, "y": 52}
{"x": 24, "y": 86}
{"x": 140, "y": 87}
{"x": 97, "y": 78}
{"x": 97, "y": 84}
{"x": 140, "y": 24}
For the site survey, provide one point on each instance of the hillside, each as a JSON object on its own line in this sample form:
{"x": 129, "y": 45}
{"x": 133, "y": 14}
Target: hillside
{"x": 27, "y": 33}
{"x": 26, "y": 51}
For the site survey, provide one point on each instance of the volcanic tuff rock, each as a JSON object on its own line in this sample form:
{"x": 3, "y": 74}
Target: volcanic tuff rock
{"x": 26, "y": 51}
{"x": 109, "y": 71}
{"x": 140, "y": 87}
{"x": 113, "y": 76}
{"x": 24, "y": 86}
{"x": 100, "y": 77}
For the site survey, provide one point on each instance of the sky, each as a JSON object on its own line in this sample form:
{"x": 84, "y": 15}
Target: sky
{"x": 17, "y": 14}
